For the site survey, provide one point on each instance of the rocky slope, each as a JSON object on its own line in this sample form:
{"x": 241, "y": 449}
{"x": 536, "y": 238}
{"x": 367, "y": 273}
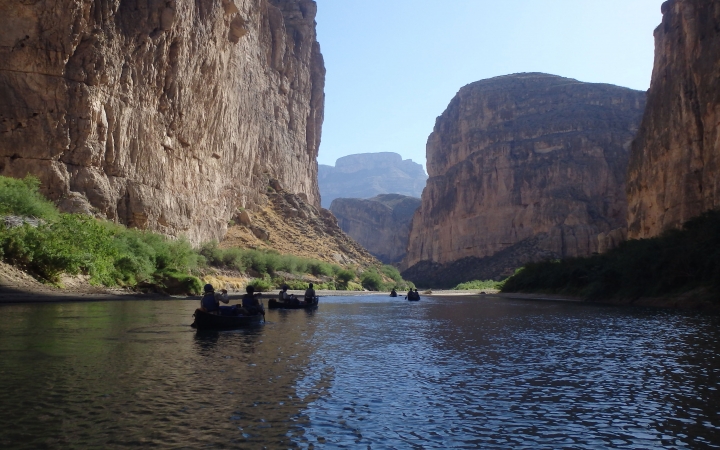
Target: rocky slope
{"x": 380, "y": 224}
{"x": 366, "y": 175}
{"x": 675, "y": 163}
{"x": 161, "y": 114}
{"x": 531, "y": 161}
{"x": 291, "y": 226}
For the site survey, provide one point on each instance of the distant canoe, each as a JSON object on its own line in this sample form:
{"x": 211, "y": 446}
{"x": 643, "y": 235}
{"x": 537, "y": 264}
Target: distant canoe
{"x": 274, "y": 304}
{"x": 207, "y": 321}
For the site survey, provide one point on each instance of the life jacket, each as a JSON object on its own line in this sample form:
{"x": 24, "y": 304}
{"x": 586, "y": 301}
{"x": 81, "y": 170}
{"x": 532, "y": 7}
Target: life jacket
{"x": 209, "y": 303}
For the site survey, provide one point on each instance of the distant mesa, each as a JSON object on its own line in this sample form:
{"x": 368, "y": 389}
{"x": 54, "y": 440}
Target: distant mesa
{"x": 522, "y": 167}
{"x": 380, "y": 224}
{"x": 366, "y": 175}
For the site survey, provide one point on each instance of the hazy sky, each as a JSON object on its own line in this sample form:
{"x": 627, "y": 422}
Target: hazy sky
{"x": 394, "y": 65}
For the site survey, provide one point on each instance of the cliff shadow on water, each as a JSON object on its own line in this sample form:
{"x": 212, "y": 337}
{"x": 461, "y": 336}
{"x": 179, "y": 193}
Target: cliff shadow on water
{"x": 680, "y": 265}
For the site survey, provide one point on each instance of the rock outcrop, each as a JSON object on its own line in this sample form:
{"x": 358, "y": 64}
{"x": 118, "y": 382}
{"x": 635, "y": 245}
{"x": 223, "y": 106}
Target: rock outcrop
{"x": 674, "y": 171}
{"x": 291, "y": 226}
{"x": 166, "y": 115}
{"x": 528, "y": 160}
{"x": 366, "y": 175}
{"x": 380, "y": 224}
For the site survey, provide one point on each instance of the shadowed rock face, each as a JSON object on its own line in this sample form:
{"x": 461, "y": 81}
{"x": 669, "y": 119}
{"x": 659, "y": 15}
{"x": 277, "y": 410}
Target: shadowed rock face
{"x": 674, "y": 171}
{"x": 380, "y": 224}
{"x": 366, "y": 175}
{"x": 525, "y": 158}
{"x": 162, "y": 114}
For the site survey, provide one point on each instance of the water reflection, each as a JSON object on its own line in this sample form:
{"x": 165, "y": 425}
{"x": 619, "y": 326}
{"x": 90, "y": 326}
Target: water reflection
{"x": 360, "y": 372}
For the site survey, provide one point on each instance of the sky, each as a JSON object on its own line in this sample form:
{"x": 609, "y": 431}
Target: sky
{"x": 394, "y": 65}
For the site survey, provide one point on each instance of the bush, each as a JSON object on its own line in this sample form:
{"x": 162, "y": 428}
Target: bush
{"x": 23, "y": 198}
{"x": 477, "y": 284}
{"x": 675, "y": 262}
{"x": 371, "y": 280}
{"x": 344, "y": 276}
{"x": 393, "y": 273}
{"x": 261, "y": 285}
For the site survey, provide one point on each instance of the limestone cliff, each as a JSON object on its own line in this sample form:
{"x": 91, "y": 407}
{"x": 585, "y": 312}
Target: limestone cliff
{"x": 366, "y": 175}
{"x": 380, "y": 224}
{"x": 674, "y": 171}
{"x": 528, "y": 160}
{"x": 161, "y": 114}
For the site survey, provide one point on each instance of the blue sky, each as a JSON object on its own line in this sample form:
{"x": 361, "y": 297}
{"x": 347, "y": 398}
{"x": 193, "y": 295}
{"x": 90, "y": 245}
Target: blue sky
{"x": 394, "y": 65}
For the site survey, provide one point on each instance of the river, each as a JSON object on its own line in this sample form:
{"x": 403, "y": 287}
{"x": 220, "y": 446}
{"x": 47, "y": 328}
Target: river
{"x": 361, "y": 372}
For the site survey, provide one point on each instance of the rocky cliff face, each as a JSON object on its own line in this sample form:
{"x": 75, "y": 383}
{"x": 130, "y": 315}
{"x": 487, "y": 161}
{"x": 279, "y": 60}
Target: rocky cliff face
{"x": 291, "y": 226}
{"x": 161, "y": 114}
{"x": 380, "y": 224}
{"x": 528, "y": 160}
{"x": 366, "y": 175}
{"x": 674, "y": 170}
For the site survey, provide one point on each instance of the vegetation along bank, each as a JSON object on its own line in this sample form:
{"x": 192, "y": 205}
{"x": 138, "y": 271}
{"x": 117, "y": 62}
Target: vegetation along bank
{"x": 37, "y": 238}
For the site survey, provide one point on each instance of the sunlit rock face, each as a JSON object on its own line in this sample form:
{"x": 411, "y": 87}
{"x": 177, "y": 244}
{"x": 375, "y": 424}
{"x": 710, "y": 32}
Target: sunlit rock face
{"x": 162, "y": 114}
{"x": 365, "y": 175}
{"x": 674, "y": 171}
{"x": 530, "y": 165}
{"x": 380, "y": 224}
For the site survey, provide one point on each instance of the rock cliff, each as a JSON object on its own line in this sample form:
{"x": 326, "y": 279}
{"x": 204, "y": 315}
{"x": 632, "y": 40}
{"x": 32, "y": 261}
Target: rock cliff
{"x": 291, "y": 226}
{"x": 674, "y": 171}
{"x": 162, "y": 114}
{"x": 366, "y": 175}
{"x": 380, "y": 224}
{"x": 531, "y": 161}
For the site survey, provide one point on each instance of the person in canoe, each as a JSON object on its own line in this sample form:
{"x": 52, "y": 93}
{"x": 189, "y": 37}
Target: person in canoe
{"x": 210, "y": 301}
{"x": 309, "y": 294}
{"x": 393, "y": 293}
{"x": 288, "y": 298}
{"x": 250, "y": 302}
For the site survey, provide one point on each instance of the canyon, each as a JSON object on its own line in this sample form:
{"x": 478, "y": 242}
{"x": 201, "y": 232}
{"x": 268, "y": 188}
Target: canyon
{"x": 521, "y": 168}
{"x": 365, "y": 175}
{"x": 167, "y": 115}
{"x": 380, "y": 224}
{"x": 675, "y": 161}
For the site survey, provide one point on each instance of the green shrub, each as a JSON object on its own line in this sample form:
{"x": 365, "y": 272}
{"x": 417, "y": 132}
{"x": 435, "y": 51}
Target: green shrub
{"x": 392, "y": 272}
{"x": 477, "y": 284}
{"x": 371, "y": 280}
{"x": 178, "y": 283}
{"x": 23, "y": 198}
{"x": 675, "y": 262}
{"x": 261, "y": 285}
{"x": 344, "y": 276}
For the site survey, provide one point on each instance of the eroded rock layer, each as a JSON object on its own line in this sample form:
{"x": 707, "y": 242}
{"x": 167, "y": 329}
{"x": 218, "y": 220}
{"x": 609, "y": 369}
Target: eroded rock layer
{"x": 526, "y": 156}
{"x": 380, "y": 224}
{"x": 674, "y": 171}
{"x": 161, "y": 114}
{"x": 291, "y": 226}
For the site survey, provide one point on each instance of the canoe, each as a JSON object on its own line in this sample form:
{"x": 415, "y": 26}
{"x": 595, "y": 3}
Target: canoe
{"x": 207, "y": 321}
{"x": 414, "y": 299}
{"x": 275, "y": 304}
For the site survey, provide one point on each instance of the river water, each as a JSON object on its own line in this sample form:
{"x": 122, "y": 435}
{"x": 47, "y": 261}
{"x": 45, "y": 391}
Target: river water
{"x": 360, "y": 372}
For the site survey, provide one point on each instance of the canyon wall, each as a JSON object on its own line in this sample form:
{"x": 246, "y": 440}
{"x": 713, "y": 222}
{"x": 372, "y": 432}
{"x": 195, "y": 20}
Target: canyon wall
{"x": 380, "y": 224}
{"x": 674, "y": 170}
{"x": 527, "y": 165}
{"x": 166, "y": 115}
{"x": 366, "y": 175}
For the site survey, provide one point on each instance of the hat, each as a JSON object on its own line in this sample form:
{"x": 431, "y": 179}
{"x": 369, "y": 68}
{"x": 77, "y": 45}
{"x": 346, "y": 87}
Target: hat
{"x": 209, "y": 288}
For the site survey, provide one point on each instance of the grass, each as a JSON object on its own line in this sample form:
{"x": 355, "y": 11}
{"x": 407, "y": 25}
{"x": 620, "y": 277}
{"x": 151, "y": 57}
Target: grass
{"x": 677, "y": 261}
